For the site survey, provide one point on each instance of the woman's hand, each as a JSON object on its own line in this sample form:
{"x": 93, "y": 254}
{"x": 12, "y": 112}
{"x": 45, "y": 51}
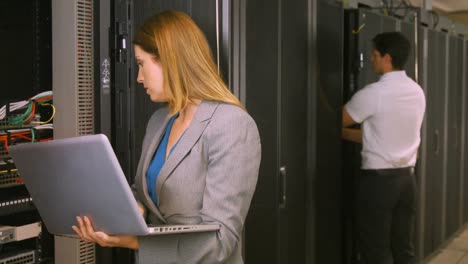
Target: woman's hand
{"x": 86, "y": 232}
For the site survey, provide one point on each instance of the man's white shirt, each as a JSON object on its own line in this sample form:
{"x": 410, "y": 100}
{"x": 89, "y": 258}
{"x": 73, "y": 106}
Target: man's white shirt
{"x": 391, "y": 112}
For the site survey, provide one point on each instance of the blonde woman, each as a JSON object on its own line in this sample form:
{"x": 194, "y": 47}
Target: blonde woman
{"x": 201, "y": 153}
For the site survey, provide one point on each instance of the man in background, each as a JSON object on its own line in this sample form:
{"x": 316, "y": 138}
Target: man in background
{"x": 391, "y": 112}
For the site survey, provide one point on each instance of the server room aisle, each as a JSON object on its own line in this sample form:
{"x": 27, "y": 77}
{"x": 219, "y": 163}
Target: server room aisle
{"x": 455, "y": 252}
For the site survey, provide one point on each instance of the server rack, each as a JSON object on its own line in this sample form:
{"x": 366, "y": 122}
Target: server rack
{"x": 434, "y": 83}
{"x": 25, "y": 71}
{"x": 442, "y": 192}
{"x": 276, "y": 82}
{"x": 465, "y": 134}
{"x": 329, "y": 188}
{"x": 453, "y": 129}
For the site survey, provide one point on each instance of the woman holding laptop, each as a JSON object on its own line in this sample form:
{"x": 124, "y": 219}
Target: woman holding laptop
{"x": 201, "y": 153}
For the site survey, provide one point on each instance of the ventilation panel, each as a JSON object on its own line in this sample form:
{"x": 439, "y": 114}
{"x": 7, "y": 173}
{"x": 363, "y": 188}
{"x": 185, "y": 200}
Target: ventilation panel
{"x": 73, "y": 67}
{"x": 85, "y": 66}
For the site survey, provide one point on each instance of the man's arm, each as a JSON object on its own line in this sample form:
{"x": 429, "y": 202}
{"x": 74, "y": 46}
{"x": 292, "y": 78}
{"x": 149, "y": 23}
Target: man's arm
{"x": 350, "y": 134}
{"x": 347, "y": 119}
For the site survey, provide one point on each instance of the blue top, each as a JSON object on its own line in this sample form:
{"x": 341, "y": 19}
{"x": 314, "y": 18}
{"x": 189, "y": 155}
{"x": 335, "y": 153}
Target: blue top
{"x": 158, "y": 160}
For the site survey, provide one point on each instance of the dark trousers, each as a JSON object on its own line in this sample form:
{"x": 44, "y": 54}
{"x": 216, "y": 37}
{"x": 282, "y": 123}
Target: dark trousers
{"x": 385, "y": 216}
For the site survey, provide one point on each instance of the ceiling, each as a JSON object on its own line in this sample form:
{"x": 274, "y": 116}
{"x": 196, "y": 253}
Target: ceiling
{"x": 446, "y": 5}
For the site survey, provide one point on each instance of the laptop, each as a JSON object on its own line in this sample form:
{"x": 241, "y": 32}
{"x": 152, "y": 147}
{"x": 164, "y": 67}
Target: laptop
{"x": 81, "y": 176}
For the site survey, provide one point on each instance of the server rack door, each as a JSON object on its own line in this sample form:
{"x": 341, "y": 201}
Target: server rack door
{"x": 262, "y": 242}
{"x": 328, "y": 185}
{"x": 436, "y": 170}
{"x": 276, "y": 81}
{"x": 465, "y": 132}
{"x": 351, "y": 152}
{"x": 293, "y": 127}
{"x": 420, "y": 65}
{"x": 459, "y": 115}
{"x": 454, "y": 138}
{"x": 435, "y": 101}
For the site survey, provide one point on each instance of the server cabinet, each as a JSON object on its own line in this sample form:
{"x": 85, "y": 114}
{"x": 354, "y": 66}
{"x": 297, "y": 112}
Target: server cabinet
{"x": 464, "y": 156}
{"x": 453, "y": 180}
{"x": 434, "y": 83}
{"x": 329, "y": 185}
{"x": 25, "y": 71}
{"x": 262, "y": 240}
{"x": 275, "y": 90}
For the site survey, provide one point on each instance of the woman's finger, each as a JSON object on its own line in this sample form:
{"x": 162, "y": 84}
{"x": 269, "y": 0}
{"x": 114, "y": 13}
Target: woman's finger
{"x": 90, "y": 230}
{"x": 77, "y": 231}
{"x": 88, "y": 226}
{"x": 83, "y": 230}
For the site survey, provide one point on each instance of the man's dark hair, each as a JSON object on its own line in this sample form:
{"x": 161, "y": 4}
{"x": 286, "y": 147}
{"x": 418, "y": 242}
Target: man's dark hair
{"x": 394, "y": 44}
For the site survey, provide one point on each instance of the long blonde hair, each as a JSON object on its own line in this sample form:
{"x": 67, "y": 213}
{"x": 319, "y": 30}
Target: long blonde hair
{"x": 188, "y": 68}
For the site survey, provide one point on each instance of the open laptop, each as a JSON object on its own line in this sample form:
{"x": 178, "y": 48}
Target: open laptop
{"x": 81, "y": 176}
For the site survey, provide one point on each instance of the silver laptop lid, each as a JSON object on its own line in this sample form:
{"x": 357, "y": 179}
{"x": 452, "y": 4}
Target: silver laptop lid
{"x": 77, "y": 177}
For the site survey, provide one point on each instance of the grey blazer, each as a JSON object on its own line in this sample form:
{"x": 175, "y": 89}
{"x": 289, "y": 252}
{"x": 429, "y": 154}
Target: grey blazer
{"x": 210, "y": 177}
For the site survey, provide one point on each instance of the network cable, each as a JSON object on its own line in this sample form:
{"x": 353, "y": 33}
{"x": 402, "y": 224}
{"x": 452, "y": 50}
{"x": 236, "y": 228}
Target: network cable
{"x": 27, "y": 116}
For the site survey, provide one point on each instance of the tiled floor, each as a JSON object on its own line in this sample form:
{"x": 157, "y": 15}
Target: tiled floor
{"x": 456, "y": 252}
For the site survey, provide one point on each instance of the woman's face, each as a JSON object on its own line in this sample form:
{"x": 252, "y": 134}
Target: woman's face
{"x": 150, "y": 75}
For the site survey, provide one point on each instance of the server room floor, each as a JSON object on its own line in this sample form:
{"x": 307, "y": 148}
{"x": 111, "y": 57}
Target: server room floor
{"x": 455, "y": 252}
